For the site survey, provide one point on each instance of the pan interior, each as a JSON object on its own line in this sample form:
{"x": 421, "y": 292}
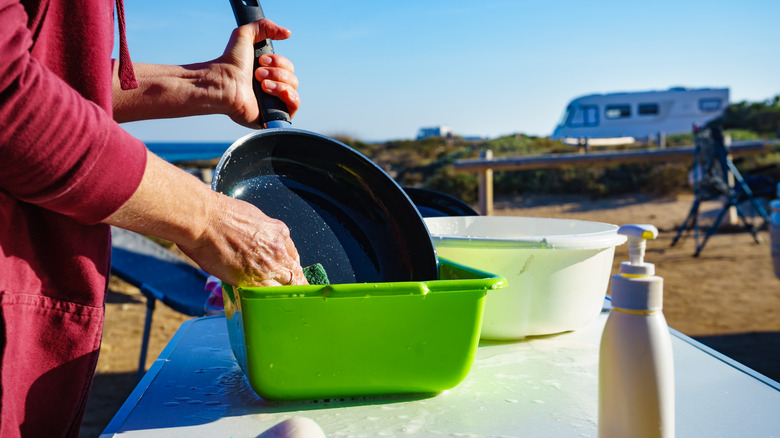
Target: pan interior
{"x": 342, "y": 210}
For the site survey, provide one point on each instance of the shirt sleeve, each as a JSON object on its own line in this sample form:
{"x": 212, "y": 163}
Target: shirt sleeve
{"x": 58, "y": 150}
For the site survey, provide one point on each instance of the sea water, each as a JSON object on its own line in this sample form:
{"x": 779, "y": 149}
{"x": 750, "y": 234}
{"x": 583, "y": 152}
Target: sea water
{"x": 184, "y": 151}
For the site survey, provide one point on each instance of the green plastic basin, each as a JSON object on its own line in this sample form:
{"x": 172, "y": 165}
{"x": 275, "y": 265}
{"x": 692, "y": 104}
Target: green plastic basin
{"x": 352, "y": 340}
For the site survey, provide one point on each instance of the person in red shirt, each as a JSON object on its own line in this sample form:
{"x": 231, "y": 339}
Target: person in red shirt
{"x": 68, "y": 171}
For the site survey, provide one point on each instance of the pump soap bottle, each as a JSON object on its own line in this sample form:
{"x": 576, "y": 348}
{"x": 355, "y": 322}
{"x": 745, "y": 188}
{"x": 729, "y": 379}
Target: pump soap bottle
{"x": 636, "y": 372}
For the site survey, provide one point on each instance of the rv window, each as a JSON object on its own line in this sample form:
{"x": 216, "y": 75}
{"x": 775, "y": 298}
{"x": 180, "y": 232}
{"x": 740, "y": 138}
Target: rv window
{"x": 618, "y": 111}
{"x": 648, "y": 109}
{"x": 591, "y": 115}
{"x": 710, "y": 104}
{"x": 586, "y": 115}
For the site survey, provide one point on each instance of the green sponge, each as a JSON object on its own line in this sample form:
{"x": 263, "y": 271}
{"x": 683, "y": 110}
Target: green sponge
{"x": 316, "y": 274}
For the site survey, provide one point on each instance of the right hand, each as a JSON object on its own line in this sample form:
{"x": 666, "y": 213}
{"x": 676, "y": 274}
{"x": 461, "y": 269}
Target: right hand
{"x": 244, "y": 247}
{"x": 276, "y": 73}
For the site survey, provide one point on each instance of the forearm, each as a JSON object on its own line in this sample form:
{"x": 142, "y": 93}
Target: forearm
{"x": 230, "y": 239}
{"x": 170, "y": 91}
{"x": 169, "y": 203}
{"x": 220, "y": 86}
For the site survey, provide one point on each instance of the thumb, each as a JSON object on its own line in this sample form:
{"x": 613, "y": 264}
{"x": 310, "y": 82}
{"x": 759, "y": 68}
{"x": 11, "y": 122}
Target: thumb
{"x": 265, "y": 28}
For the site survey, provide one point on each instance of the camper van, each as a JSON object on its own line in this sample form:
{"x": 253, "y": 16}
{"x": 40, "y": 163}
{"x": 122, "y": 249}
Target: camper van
{"x": 639, "y": 116}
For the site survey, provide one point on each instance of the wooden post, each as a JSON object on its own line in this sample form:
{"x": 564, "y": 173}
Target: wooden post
{"x": 732, "y": 218}
{"x": 486, "y": 185}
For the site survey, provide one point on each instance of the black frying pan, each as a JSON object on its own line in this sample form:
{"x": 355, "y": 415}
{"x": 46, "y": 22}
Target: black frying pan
{"x": 343, "y": 210}
{"x": 431, "y": 203}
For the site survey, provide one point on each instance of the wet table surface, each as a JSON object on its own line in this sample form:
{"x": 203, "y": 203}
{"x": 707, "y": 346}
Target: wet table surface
{"x": 543, "y": 386}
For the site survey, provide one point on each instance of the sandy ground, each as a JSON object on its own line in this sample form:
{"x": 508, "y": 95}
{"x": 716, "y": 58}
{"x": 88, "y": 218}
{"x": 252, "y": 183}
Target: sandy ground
{"x": 727, "y": 298}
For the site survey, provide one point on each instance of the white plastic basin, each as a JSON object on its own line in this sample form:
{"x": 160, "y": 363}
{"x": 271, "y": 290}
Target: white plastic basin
{"x": 558, "y": 269}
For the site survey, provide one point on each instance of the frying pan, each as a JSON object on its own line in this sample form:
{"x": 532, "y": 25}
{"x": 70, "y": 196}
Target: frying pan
{"x": 343, "y": 211}
{"x": 431, "y": 203}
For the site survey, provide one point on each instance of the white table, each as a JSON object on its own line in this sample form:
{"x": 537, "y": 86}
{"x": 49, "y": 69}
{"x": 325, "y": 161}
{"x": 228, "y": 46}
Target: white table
{"x": 540, "y": 387}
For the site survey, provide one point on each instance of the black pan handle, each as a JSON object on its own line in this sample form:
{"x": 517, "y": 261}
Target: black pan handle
{"x": 272, "y": 109}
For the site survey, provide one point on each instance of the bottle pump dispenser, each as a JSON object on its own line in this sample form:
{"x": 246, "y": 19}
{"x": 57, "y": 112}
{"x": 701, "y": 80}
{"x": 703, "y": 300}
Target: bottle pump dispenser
{"x": 636, "y": 372}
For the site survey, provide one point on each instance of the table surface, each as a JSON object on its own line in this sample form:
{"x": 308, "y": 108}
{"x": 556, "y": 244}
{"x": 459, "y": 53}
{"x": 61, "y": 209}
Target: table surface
{"x": 542, "y": 386}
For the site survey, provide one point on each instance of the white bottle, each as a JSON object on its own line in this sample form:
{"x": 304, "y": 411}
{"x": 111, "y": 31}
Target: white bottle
{"x": 636, "y": 371}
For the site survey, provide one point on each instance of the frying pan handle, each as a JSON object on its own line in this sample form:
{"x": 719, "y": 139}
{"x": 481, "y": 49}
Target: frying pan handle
{"x": 272, "y": 109}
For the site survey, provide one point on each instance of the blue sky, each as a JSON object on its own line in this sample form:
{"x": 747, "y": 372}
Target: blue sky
{"x": 377, "y": 70}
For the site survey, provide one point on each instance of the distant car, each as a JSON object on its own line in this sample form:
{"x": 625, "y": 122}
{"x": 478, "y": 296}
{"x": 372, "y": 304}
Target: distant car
{"x": 639, "y": 115}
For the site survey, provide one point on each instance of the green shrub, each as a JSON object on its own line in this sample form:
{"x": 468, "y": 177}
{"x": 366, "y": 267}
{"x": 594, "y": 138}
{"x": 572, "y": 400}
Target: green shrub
{"x": 762, "y": 118}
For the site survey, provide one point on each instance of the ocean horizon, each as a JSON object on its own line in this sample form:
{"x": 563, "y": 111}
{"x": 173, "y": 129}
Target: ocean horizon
{"x": 174, "y": 152}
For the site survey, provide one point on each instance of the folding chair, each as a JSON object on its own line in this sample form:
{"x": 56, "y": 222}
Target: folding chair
{"x": 160, "y": 275}
{"x": 712, "y": 168}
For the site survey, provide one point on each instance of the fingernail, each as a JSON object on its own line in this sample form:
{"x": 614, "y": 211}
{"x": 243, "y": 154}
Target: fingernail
{"x": 266, "y": 60}
{"x": 270, "y": 85}
{"x": 262, "y": 73}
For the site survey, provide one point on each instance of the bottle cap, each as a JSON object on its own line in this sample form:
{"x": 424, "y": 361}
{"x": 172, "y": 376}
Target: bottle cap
{"x": 637, "y": 293}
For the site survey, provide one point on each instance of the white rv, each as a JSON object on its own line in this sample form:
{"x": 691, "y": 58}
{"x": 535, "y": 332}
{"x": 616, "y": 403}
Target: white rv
{"x": 639, "y": 115}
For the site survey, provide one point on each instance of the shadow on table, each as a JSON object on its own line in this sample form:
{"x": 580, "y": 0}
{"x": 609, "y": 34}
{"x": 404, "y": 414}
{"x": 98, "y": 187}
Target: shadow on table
{"x": 109, "y": 391}
{"x": 759, "y": 351}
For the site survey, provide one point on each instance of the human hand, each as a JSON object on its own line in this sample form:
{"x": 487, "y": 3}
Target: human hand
{"x": 276, "y": 73}
{"x": 244, "y": 247}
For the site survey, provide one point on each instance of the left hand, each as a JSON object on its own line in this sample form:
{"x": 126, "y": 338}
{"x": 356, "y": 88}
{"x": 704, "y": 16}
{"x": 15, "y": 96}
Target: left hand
{"x": 276, "y": 72}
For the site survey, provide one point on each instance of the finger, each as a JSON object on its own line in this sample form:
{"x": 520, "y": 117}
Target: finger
{"x": 267, "y": 283}
{"x": 277, "y": 61}
{"x": 285, "y": 92}
{"x": 276, "y": 75}
{"x": 278, "y": 276}
{"x": 286, "y": 277}
{"x": 299, "y": 278}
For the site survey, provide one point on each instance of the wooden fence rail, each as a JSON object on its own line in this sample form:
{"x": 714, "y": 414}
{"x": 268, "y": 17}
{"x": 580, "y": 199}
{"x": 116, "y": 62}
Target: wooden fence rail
{"x": 486, "y": 164}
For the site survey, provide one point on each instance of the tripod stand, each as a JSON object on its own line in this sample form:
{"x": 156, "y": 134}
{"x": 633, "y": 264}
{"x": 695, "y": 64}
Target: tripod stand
{"x": 710, "y": 156}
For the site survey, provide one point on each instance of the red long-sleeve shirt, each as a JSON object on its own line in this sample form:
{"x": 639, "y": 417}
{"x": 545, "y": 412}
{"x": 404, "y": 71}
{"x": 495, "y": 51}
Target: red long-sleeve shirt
{"x": 65, "y": 165}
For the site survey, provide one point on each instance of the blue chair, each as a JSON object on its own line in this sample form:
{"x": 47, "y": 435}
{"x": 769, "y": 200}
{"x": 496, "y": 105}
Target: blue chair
{"x": 160, "y": 275}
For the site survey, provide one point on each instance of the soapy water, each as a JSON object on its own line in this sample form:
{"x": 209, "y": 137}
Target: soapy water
{"x": 233, "y": 384}
{"x": 398, "y": 418}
